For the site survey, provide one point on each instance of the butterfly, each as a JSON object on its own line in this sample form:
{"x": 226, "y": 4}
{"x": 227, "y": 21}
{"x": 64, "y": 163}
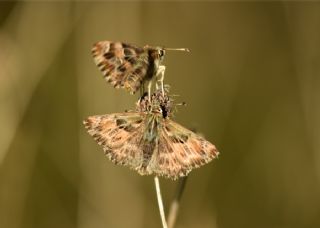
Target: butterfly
{"x": 128, "y": 66}
{"x": 148, "y": 141}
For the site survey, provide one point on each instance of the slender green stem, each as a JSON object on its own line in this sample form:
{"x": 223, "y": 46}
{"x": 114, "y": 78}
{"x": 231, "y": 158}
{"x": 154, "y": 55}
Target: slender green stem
{"x": 160, "y": 203}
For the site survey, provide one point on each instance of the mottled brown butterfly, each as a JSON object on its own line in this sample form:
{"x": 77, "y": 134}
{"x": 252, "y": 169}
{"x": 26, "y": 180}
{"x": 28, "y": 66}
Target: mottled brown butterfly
{"x": 128, "y": 66}
{"x": 148, "y": 141}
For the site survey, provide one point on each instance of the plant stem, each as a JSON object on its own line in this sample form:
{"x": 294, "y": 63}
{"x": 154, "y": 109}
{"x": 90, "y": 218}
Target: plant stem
{"x": 160, "y": 203}
{"x": 174, "y": 208}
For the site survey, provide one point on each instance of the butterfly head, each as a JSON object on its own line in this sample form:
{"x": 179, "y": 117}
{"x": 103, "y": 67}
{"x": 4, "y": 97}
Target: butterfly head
{"x": 157, "y": 53}
{"x": 160, "y": 52}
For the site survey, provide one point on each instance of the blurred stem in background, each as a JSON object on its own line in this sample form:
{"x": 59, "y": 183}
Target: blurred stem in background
{"x": 175, "y": 204}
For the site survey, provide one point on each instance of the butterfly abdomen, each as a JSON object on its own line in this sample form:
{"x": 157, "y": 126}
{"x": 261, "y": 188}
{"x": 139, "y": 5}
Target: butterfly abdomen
{"x": 147, "y": 152}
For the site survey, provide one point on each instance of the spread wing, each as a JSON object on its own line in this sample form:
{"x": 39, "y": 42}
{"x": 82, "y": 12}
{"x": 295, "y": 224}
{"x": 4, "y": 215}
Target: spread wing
{"x": 120, "y": 135}
{"x": 172, "y": 154}
{"x": 179, "y": 150}
{"x": 123, "y": 65}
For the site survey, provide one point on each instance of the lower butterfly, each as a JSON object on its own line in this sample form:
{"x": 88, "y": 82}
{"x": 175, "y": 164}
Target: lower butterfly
{"x": 128, "y": 66}
{"x": 148, "y": 141}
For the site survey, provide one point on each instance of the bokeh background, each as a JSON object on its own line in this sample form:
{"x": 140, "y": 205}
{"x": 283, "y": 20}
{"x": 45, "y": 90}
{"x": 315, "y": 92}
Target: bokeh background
{"x": 252, "y": 87}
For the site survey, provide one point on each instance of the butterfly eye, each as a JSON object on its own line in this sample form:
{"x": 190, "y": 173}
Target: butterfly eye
{"x": 161, "y": 52}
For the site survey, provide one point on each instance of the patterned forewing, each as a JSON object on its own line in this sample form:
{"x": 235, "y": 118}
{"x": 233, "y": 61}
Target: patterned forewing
{"x": 123, "y": 65}
{"x": 180, "y": 150}
{"x": 120, "y": 136}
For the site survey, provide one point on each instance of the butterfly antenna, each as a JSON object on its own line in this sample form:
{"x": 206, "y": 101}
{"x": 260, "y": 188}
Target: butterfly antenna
{"x": 181, "y": 104}
{"x": 177, "y": 49}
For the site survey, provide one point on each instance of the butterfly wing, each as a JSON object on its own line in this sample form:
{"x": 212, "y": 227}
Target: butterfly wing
{"x": 173, "y": 153}
{"x": 120, "y": 135}
{"x": 179, "y": 150}
{"x": 123, "y": 65}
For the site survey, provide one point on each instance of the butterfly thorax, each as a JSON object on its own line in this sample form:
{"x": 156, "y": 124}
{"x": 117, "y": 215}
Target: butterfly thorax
{"x": 155, "y": 58}
{"x": 153, "y": 122}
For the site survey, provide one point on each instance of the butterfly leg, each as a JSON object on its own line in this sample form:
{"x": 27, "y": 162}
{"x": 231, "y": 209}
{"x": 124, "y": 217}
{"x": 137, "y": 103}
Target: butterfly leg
{"x": 160, "y": 75}
{"x": 142, "y": 90}
{"x": 149, "y": 90}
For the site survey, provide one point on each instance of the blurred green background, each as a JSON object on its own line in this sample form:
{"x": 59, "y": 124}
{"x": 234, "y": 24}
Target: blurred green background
{"x": 251, "y": 83}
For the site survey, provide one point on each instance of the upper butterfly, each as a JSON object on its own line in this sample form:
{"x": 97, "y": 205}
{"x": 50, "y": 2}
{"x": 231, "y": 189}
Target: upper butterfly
{"x": 127, "y": 66}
